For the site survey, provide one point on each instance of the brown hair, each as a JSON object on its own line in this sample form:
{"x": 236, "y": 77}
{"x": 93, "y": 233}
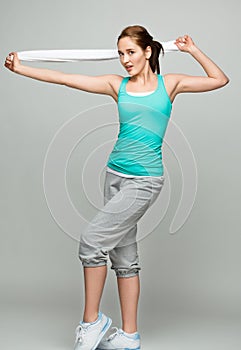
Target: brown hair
{"x": 143, "y": 39}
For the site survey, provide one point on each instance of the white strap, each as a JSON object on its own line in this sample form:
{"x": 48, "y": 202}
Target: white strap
{"x": 80, "y": 54}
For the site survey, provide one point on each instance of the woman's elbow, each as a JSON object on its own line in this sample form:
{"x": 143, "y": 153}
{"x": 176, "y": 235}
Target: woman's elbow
{"x": 224, "y": 81}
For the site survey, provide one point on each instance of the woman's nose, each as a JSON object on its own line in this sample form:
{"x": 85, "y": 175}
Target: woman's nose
{"x": 125, "y": 58}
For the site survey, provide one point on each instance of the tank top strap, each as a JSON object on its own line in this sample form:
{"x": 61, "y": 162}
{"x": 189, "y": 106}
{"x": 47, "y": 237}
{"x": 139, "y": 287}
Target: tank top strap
{"x": 123, "y": 85}
{"x": 162, "y": 89}
{"x": 160, "y": 82}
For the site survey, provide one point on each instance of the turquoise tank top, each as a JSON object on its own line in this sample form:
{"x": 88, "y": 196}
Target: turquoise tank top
{"x": 142, "y": 124}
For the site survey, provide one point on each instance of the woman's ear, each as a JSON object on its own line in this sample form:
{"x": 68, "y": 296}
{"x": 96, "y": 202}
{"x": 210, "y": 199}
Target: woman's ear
{"x": 148, "y": 52}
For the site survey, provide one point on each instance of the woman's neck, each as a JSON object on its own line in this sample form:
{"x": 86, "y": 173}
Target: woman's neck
{"x": 146, "y": 76}
{"x": 143, "y": 81}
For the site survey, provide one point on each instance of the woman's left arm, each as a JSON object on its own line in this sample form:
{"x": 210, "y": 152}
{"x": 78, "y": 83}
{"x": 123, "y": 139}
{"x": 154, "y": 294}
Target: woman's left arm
{"x": 215, "y": 76}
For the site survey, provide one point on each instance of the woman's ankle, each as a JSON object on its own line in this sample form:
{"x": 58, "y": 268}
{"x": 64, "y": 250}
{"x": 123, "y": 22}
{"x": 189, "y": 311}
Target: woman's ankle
{"x": 90, "y": 317}
{"x": 129, "y": 329}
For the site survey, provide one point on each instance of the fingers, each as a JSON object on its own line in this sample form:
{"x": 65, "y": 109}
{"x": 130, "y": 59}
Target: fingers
{"x": 9, "y": 59}
{"x": 184, "y": 43}
{"x": 182, "y": 39}
{"x": 12, "y": 55}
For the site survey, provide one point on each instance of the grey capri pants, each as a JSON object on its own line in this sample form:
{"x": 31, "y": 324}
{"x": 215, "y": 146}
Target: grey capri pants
{"x": 112, "y": 232}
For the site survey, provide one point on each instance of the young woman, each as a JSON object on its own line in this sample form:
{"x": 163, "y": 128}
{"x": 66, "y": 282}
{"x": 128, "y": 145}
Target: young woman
{"x": 134, "y": 172}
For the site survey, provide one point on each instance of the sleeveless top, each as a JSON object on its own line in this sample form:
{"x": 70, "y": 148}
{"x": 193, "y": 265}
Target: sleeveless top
{"x": 143, "y": 122}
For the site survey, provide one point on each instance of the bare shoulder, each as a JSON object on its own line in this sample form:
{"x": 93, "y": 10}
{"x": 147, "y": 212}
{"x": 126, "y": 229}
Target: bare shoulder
{"x": 115, "y": 81}
{"x": 172, "y": 78}
{"x": 171, "y": 81}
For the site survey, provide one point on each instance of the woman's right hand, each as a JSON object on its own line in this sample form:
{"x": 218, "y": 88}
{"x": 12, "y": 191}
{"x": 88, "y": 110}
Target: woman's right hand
{"x": 12, "y": 61}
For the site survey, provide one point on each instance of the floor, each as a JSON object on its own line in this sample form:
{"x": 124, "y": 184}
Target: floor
{"x": 38, "y": 327}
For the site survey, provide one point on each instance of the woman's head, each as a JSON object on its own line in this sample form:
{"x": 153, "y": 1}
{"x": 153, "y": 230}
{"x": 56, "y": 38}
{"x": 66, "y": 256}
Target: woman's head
{"x": 137, "y": 37}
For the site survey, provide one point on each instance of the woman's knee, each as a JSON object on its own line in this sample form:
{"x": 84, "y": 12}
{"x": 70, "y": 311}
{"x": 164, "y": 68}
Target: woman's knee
{"x": 125, "y": 260}
{"x": 90, "y": 254}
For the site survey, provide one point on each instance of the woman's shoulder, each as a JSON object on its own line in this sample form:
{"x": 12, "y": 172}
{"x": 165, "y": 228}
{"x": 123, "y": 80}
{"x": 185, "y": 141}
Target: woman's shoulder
{"x": 115, "y": 77}
{"x": 171, "y": 82}
{"x": 173, "y": 78}
{"x": 115, "y": 81}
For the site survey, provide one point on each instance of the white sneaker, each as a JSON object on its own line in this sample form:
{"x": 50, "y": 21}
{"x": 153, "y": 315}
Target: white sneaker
{"x": 88, "y": 335}
{"x": 121, "y": 340}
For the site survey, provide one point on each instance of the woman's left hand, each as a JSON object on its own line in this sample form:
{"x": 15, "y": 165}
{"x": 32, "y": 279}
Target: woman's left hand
{"x": 184, "y": 43}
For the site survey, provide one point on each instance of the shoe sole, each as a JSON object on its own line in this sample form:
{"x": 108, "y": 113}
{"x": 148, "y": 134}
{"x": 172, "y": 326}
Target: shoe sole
{"x": 104, "y": 330}
{"x": 122, "y": 349}
{"x": 128, "y": 349}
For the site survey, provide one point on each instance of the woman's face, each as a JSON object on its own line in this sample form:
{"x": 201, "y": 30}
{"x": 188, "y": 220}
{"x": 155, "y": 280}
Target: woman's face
{"x": 132, "y": 57}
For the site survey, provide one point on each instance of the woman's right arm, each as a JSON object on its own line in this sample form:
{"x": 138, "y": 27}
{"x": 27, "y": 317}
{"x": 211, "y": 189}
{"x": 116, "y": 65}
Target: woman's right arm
{"x": 104, "y": 84}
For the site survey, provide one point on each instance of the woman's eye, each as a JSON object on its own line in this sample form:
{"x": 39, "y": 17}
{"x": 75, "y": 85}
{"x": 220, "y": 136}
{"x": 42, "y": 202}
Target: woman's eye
{"x": 131, "y": 52}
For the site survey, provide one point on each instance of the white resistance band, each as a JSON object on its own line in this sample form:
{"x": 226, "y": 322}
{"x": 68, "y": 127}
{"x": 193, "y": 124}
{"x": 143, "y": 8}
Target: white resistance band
{"x": 80, "y": 54}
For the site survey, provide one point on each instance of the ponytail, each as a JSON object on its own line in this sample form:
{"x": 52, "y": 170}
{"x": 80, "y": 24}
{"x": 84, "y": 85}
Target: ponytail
{"x": 156, "y": 48}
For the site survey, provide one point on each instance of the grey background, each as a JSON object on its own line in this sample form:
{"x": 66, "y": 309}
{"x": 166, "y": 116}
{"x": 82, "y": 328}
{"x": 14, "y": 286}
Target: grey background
{"x": 191, "y": 290}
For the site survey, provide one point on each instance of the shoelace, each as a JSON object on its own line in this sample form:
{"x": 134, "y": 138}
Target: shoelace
{"x": 114, "y": 334}
{"x": 80, "y": 332}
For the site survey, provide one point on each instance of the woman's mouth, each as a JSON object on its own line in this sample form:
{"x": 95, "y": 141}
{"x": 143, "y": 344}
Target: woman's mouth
{"x": 128, "y": 68}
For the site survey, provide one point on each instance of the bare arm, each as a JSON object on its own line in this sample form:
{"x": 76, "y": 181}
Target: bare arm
{"x": 104, "y": 84}
{"x": 179, "y": 83}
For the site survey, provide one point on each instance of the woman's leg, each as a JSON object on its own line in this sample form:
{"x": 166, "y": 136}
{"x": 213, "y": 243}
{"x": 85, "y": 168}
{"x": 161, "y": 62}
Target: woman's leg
{"x": 125, "y": 262}
{"x": 129, "y": 291}
{"x": 94, "y": 278}
{"x": 126, "y": 200}
{"x": 90, "y": 331}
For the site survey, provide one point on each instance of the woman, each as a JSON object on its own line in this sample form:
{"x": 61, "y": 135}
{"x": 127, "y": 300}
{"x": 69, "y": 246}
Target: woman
{"x": 134, "y": 172}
